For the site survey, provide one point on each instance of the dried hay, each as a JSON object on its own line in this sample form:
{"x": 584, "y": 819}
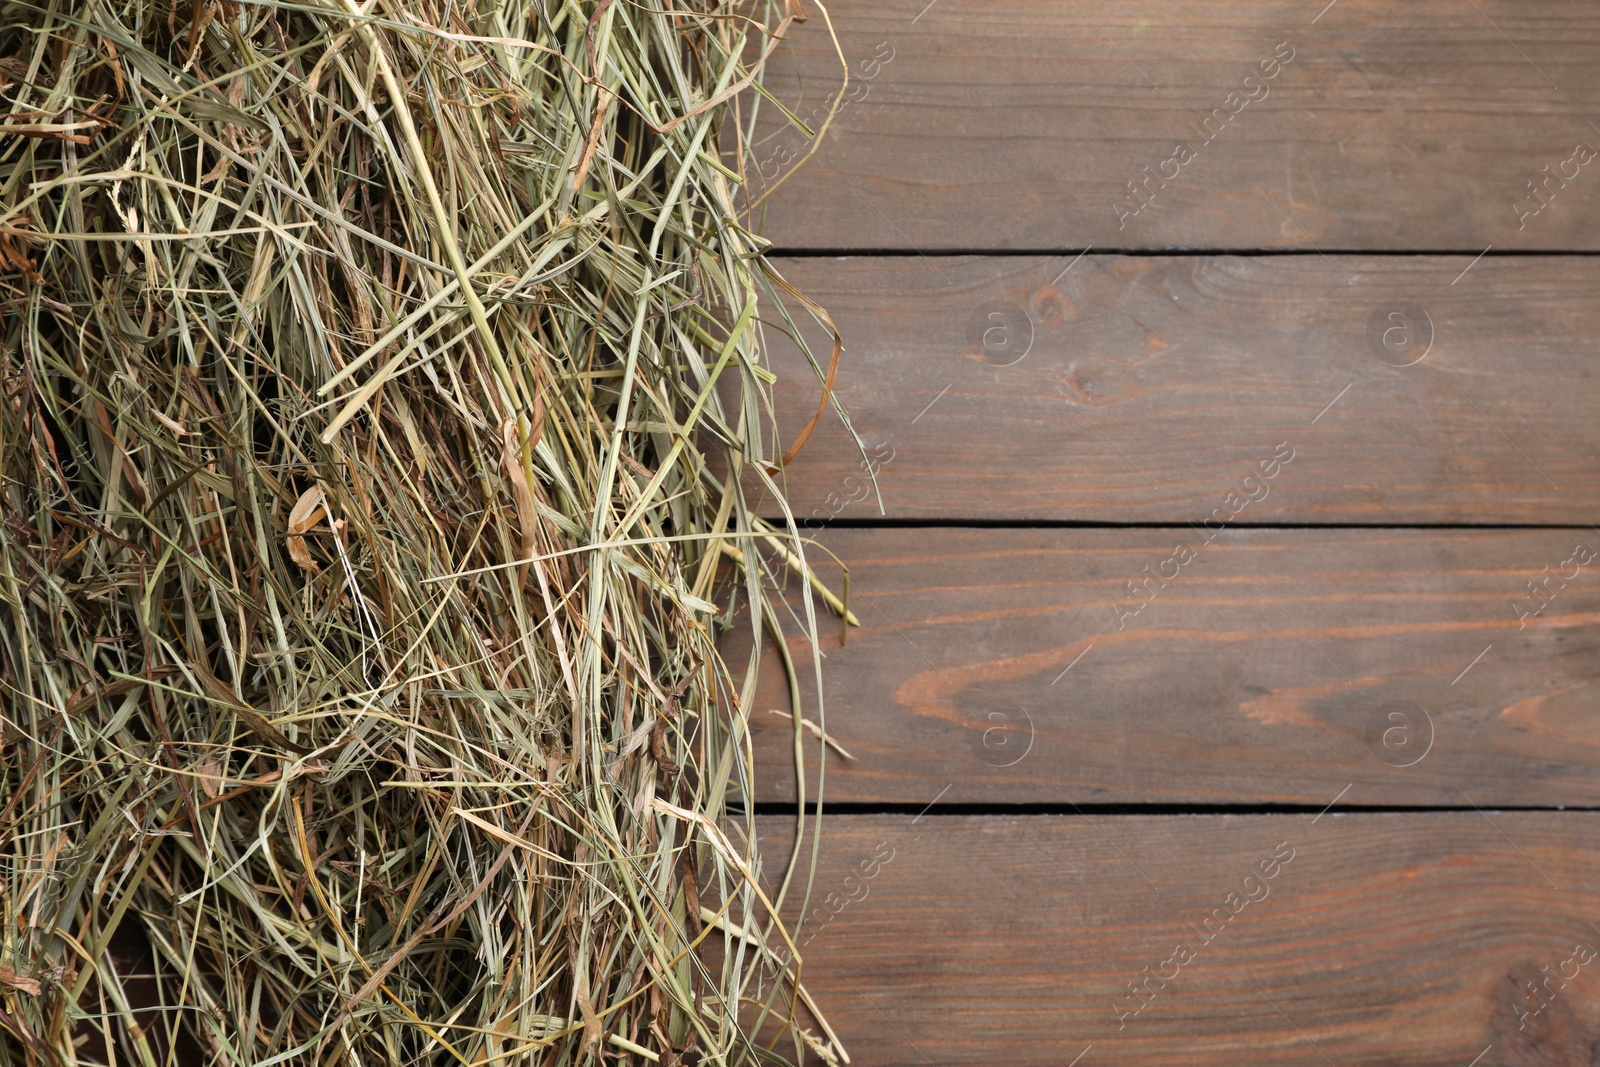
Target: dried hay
{"x": 383, "y": 384}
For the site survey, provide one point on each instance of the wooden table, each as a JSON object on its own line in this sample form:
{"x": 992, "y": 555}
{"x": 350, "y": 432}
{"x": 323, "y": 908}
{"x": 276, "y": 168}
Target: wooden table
{"x": 1228, "y": 372}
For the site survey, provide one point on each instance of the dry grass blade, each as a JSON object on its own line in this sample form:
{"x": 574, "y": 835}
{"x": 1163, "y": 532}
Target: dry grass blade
{"x": 382, "y": 382}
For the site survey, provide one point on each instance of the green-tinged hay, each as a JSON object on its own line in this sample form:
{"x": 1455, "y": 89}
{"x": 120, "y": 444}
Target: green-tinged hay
{"x": 383, "y": 409}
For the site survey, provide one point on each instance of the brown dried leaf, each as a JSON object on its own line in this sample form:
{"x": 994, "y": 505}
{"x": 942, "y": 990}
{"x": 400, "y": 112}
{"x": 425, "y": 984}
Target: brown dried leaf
{"x": 527, "y": 515}
{"x": 210, "y": 771}
{"x": 20, "y": 982}
{"x": 302, "y": 517}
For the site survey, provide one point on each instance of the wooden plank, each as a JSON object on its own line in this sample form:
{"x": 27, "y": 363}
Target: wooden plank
{"x": 1026, "y": 124}
{"x": 1404, "y": 939}
{"x": 1267, "y": 666}
{"x": 1154, "y": 385}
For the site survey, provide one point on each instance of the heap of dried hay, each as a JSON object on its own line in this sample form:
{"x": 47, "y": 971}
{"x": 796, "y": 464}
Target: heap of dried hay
{"x": 382, "y": 385}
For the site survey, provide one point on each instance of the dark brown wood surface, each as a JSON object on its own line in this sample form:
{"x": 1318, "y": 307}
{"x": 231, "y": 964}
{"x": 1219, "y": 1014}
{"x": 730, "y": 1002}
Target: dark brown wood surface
{"x": 1277, "y": 354}
{"x": 1385, "y": 939}
{"x": 1019, "y": 124}
{"x": 1269, "y": 669}
{"x": 1153, "y": 385}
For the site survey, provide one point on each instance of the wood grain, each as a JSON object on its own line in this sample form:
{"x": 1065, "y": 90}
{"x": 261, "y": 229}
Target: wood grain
{"x": 1268, "y": 669}
{"x": 1384, "y": 939}
{"x": 1020, "y": 124}
{"x": 1153, "y": 385}
{"x": 1192, "y": 659}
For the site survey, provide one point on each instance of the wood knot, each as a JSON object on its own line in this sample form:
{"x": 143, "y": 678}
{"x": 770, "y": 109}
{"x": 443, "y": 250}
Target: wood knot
{"x": 1544, "y": 1014}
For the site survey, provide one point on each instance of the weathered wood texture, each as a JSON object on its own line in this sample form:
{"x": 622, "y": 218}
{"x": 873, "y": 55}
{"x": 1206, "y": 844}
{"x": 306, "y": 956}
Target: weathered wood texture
{"x": 1269, "y": 669}
{"x": 1201, "y": 661}
{"x": 1020, "y": 124}
{"x": 1154, "y": 385}
{"x": 1385, "y": 939}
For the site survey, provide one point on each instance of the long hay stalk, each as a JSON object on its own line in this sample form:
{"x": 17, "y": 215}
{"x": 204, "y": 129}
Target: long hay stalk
{"x": 383, "y": 388}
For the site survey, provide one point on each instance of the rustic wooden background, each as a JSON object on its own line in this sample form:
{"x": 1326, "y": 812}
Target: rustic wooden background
{"x": 1233, "y": 507}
